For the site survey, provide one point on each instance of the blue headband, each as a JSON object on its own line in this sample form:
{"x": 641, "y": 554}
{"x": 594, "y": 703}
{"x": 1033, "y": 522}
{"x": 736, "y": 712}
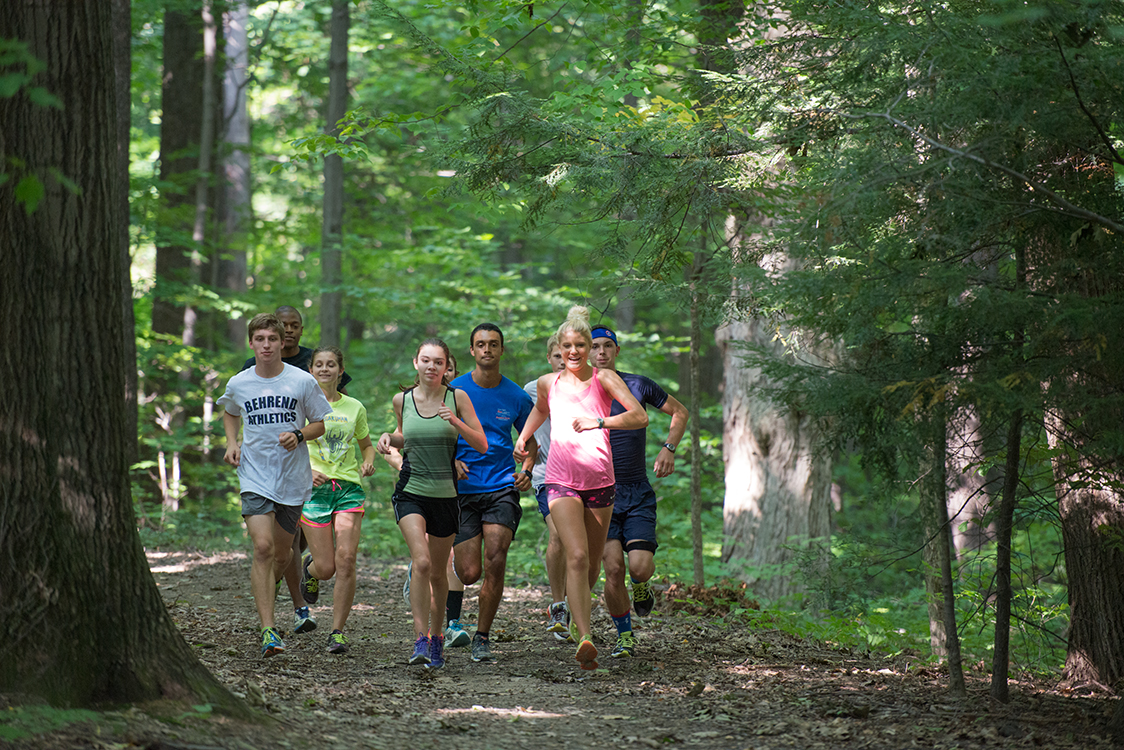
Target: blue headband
{"x": 601, "y": 332}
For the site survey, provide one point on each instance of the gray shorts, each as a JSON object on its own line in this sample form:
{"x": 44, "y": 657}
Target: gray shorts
{"x": 286, "y": 516}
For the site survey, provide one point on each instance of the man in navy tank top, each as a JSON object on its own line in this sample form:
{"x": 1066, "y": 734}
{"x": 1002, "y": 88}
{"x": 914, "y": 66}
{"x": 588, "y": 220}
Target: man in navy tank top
{"x": 633, "y": 527}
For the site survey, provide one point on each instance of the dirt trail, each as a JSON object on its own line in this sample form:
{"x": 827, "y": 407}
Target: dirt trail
{"x": 696, "y": 682}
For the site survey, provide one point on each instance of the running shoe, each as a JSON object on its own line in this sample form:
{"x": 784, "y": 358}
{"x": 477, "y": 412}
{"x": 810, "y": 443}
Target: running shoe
{"x": 626, "y": 645}
{"x": 559, "y": 623}
{"x": 310, "y": 587}
{"x": 457, "y": 636}
{"x": 587, "y": 653}
{"x": 303, "y": 621}
{"x": 406, "y": 585}
{"x": 421, "y": 651}
{"x": 337, "y": 643}
{"x": 480, "y": 649}
{"x": 642, "y": 598}
{"x": 436, "y": 653}
{"x": 271, "y": 643}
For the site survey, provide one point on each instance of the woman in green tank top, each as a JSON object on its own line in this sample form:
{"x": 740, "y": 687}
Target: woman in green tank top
{"x": 430, "y": 417}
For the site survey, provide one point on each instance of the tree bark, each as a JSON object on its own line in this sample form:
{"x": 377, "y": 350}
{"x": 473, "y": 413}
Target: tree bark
{"x": 180, "y": 129}
{"x": 1004, "y": 523}
{"x": 235, "y": 211}
{"x": 331, "y": 252}
{"x": 70, "y": 558}
{"x": 696, "y": 408}
{"x": 1093, "y": 531}
{"x": 778, "y": 486}
{"x": 937, "y": 552}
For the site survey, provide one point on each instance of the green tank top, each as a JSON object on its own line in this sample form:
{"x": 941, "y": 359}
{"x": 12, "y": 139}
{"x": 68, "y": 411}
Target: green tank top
{"x": 429, "y": 450}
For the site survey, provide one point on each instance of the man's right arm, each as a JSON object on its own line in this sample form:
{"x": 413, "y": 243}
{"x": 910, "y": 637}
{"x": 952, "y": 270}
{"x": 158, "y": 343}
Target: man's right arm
{"x": 230, "y": 425}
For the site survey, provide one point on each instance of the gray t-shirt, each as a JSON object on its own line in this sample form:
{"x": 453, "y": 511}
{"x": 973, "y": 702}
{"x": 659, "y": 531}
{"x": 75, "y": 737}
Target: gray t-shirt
{"x": 542, "y": 437}
{"x": 269, "y": 407}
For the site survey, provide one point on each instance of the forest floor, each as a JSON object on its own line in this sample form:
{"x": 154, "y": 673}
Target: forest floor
{"x": 700, "y": 679}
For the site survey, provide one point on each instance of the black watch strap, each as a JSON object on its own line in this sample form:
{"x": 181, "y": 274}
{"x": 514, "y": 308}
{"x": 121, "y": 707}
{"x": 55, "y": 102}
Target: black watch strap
{"x": 300, "y": 436}
{"x": 669, "y": 446}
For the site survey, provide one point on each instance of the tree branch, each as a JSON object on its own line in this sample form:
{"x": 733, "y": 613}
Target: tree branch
{"x": 1032, "y": 184}
{"x": 1096, "y": 125}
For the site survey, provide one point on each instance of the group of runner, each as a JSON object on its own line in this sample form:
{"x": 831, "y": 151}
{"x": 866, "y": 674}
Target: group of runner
{"x": 579, "y": 445}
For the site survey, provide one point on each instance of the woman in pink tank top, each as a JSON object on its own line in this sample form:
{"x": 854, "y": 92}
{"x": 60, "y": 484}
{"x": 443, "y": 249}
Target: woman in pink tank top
{"x": 579, "y": 468}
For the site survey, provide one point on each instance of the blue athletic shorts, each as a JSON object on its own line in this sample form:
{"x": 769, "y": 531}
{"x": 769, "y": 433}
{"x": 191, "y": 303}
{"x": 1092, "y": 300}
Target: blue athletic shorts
{"x": 634, "y": 514}
{"x": 540, "y": 498}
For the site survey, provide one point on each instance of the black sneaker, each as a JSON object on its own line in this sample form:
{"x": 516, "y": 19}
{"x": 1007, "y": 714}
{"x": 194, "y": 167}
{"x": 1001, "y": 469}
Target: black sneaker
{"x": 310, "y": 587}
{"x": 337, "y": 643}
{"x": 480, "y": 650}
{"x": 642, "y": 598}
{"x": 626, "y": 645}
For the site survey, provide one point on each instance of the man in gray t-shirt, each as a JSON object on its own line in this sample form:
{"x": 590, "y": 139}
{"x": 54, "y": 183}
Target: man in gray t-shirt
{"x": 278, "y": 408}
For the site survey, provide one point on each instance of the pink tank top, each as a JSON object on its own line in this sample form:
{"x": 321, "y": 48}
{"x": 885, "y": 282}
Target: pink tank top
{"x": 579, "y": 460}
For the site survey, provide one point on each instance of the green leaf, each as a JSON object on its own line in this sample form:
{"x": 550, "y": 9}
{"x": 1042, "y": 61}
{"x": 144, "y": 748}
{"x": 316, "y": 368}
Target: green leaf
{"x": 29, "y": 192}
{"x": 44, "y": 98}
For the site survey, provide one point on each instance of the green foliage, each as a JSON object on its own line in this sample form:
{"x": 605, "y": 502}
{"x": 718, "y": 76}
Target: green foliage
{"x": 24, "y": 722}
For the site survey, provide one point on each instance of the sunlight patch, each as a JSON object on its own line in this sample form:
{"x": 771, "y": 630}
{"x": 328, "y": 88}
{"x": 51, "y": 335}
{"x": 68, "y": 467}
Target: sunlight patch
{"x": 509, "y": 713}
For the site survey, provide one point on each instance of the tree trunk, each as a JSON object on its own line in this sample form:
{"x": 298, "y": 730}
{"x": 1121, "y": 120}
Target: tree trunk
{"x": 969, "y": 500}
{"x": 235, "y": 212}
{"x": 937, "y": 552}
{"x": 1093, "y": 533}
{"x": 70, "y": 558}
{"x": 778, "y": 486}
{"x": 181, "y": 126}
{"x": 331, "y": 252}
{"x": 1004, "y": 523}
{"x": 123, "y": 59}
{"x": 696, "y": 408}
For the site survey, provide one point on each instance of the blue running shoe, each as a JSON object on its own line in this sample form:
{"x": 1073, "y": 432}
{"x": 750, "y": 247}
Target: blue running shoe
{"x": 436, "y": 653}
{"x": 457, "y": 636}
{"x": 421, "y": 651}
{"x": 303, "y": 621}
{"x": 271, "y": 643}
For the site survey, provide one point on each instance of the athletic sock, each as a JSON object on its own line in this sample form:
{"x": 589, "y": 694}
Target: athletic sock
{"x": 482, "y": 634}
{"x": 623, "y": 622}
{"x": 453, "y": 604}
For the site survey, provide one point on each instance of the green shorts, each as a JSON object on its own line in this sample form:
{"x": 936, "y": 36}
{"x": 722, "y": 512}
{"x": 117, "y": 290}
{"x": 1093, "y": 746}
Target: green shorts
{"x": 334, "y": 496}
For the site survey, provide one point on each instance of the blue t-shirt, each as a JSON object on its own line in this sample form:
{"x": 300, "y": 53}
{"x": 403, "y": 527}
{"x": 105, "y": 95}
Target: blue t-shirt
{"x": 499, "y": 410}
{"x": 629, "y": 464}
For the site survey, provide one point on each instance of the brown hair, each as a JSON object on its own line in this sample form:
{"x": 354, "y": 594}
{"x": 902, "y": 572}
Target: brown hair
{"x": 450, "y": 361}
{"x": 333, "y": 350}
{"x": 266, "y": 321}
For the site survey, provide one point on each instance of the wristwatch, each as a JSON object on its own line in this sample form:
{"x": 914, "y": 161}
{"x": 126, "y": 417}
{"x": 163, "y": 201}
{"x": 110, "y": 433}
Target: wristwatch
{"x": 300, "y": 436}
{"x": 600, "y": 423}
{"x": 669, "y": 446}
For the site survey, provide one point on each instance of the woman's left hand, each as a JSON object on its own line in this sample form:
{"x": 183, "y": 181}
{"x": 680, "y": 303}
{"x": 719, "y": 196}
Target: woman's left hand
{"x": 367, "y": 469}
{"x": 581, "y": 424}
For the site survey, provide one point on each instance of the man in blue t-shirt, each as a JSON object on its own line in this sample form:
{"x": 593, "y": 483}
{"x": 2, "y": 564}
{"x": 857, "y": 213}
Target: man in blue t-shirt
{"x": 489, "y": 494}
{"x": 633, "y": 526}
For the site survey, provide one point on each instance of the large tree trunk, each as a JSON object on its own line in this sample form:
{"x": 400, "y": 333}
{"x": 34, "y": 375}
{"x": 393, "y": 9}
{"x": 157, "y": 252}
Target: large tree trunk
{"x": 234, "y": 209}
{"x": 1092, "y": 515}
{"x": 331, "y": 251}
{"x": 81, "y": 620}
{"x": 778, "y": 486}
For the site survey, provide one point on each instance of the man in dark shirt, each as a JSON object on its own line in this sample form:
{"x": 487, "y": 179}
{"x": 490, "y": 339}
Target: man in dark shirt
{"x": 633, "y": 526}
{"x": 292, "y": 353}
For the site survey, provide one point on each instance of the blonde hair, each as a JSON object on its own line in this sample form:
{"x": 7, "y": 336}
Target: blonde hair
{"x": 551, "y": 344}
{"x": 577, "y": 320}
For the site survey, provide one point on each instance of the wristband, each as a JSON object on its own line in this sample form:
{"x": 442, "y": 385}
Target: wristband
{"x": 300, "y": 436}
{"x": 600, "y": 423}
{"x": 527, "y": 473}
{"x": 669, "y": 446}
